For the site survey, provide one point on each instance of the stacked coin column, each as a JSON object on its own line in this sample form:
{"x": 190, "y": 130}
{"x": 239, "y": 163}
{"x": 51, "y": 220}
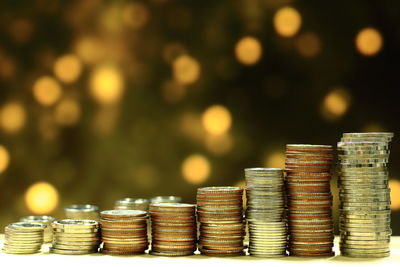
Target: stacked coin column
{"x": 309, "y": 200}
{"x": 47, "y": 220}
{"x": 174, "y": 229}
{"x": 265, "y": 212}
{"x": 220, "y": 213}
{"x": 82, "y": 212}
{"x": 124, "y": 232}
{"x": 23, "y": 238}
{"x": 75, "y": 237}
{"x": 364, "y": 194}
{"x": 132, "y": 204}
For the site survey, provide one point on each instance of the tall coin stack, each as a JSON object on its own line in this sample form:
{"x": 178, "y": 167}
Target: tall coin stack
{"x": 132, "y": 204}
{"x": 124, "y": 232}
{"x": 82, "y": 212}
{"x": 47, "y": 220}
{"x": 265, "y": 212}
{"x": 75, "y": 237}
{"x": 23, "y": 238}
{"x": 309, "y": 200}
{"x": 364, "y": 194}
{"x": 220, "y": 213}
{"x": 174, "y": 229}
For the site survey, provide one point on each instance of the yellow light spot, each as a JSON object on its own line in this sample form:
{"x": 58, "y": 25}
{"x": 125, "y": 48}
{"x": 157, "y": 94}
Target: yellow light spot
{"x": 248, "y": 50}
{"x": 275, "y": 159}
{"x": 4, "y": 159}
{"x": 369, "y": 41}
{"x": 47, "y": 91}
{"x": 394, "y": 194}
{"x": 41, "y": 198}
{"x": 219, "y": 144}
{"x": 308, "y": 45}
{"x": 12, "y": 117}
{"x": 217, "y": 120}
{"x": 173, "y": 91}
{"x": 106, "y": 85}
{"x": 67, "y": 112}
{"x": 67, "y": 68}
{"x": 186, "y": 69}
{"x": 90, "y": 49}
{"x": 135, "y": 15}
{"x": 373, "y": 127}
{"x": 191, "y": 127}
{"x": 335, "y": 104}
{"x": 196, "y": 169}
{"x": 287, "y": 21}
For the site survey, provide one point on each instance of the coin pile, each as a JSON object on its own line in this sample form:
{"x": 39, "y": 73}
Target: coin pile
{"x": 174, "y": 229}
{"x": 23, "y": 237}
{"x": 220, "y": 213}
{"x": 47, "y": 220}
{"x": 82, "y": 212}
{"x": 165, "y": 199}
{"x": 124, "y": 232}
{"x": 364, "y": 194}
{"x": 132, "y": 204}
{"x": 265, "y": 212}
{"x": 309, "y": 200}
{"x": 75, "y": 237}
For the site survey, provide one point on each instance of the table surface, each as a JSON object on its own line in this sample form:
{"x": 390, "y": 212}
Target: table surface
{"x": 45, "y": 259}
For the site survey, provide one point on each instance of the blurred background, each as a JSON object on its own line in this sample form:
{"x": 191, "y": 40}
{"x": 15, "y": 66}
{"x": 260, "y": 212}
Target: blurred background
{"x": 102, "y": 100}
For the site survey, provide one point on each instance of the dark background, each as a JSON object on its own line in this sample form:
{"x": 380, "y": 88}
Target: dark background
{"x": 102, "y": 100}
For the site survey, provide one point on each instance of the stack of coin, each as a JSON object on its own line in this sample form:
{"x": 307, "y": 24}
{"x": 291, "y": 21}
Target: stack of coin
{"x": 75, "y": 237}
{"x": 265, "y": 212}
{"x": 47, "y": 220}
{"x": 165, "y": 199}
{"x": 82, "y": 212}
{"x": 124, "y": 232}
{"x": 23, "y": 238}
{"x": 364, "y": 194}
{"x": 174, "y": 229}
{"x": 309, "y": 200}
{"x": 132, "y": 204}
{"x": 220, "y": 213}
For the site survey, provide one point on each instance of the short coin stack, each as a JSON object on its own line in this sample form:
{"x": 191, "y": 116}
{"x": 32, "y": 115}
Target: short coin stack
{"x": 132, "y": 204}
{"x": 82, "y": 212}
{"x": 75, "y": 237}
{"x": 364, "y": 194}
{"x": 47, "y": 220}
{"x": 265, "y": 212}
{"x": 220, "y": 213}
{"x": 23, "y": 238}
{"x": 174, "y": 229}
{"x": 124, "y": 232}
{"x": 309, "y": 200}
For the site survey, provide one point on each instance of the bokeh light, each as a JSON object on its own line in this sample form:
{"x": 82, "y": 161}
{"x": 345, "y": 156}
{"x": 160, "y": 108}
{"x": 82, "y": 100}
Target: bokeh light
{"x": 196, "y": 169}
{"x": 219, "y": 144}
{"x": 47, "y": 91}
{"x": 173, "y": 91}
{"x": 41, "y": 198}
{"x": 12, "y": 117}
{"x": 287, "y": 21}
{"x": 394, "y": 194}
{"x": 67, "y": 112}
{"x": 186, "y": 69}
{"x": 217, "y": 120}
{"x": 275, "y": 159}
{"x": 369, "y": 41}
{"x": 90, "y": 49}
{"x": 67, "y": 68}
{"x": 308, "y": 45}
{"x": 248, "y": 50}
{"x": 191, "y": 126}
{"x": 335, "y": 104}
{"x": 4, "y": 159}
{"x": 135, "y": 15}
{"x": 373, "y": 127}
{"x": 106, "y": 84}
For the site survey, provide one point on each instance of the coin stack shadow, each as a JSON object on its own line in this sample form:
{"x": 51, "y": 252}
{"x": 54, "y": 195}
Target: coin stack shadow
{"x": 265, "y": 212}
{"x": 364, "y": 195}
{"x": 132, "y": 204}
{"x": 82, "y": 212}
{"x": 23, "y": 238}
{"x": 220, "y": 213}
{"x": 124, "y": 232}
{"x": 309, "y": 200}
{"x": 47, "y": 220}
{"x": 75, "y": 237}
{"x": 174, "y": 229}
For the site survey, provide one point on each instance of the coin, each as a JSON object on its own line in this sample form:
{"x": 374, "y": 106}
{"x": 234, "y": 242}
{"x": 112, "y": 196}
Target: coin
{"x": 86, "y": 212}
{"x": 132, "y": 204}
